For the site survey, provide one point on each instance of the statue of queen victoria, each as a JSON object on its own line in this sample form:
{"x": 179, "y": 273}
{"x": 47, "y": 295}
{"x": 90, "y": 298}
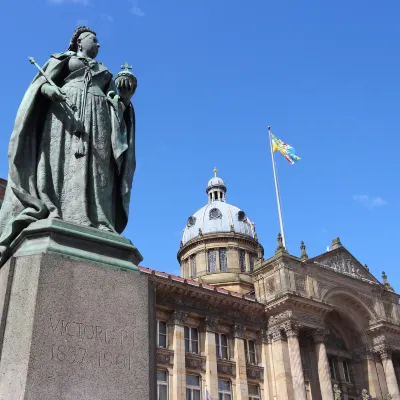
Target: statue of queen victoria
{"x": 72, "y": 150}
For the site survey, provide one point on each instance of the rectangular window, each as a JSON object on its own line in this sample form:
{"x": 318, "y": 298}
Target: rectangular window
{"x": 162, "y": 385}
{"x": 193, "y": 388}
{"x": 193, "y": 265}
{"x": 250, "y": 350}
{"x": 346, "y": 371}
{"x": 221, "y": 341}
{"x": 332, "y": 367}
{"x": 161, "y": 334}
{"x": 242, "y": 260}
{"x": 251, "y": 263}
{"x": 191, "y": 340}
{"x": 223, "y": 264}
{"x": 212, "y": 261}
{"x": 254, "y": 392}
{"x": 224, "y": 390}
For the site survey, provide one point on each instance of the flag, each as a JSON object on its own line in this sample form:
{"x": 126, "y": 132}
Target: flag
{"x": 207, "y": 395}
{"x": 286, "y": 150}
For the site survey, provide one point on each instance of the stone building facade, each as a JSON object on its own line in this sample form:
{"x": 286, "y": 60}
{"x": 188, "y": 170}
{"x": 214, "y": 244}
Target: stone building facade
{"x": 238, "y": 326}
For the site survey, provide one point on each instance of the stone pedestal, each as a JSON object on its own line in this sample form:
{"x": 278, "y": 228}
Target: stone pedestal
{"x": 75, "y": 326}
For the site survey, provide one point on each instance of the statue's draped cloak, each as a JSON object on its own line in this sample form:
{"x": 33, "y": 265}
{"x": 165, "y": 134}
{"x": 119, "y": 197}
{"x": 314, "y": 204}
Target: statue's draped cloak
{"x": 23, "y": 202}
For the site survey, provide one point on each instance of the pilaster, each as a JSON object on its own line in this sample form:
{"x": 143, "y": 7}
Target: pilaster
{"x": 210, "y": 352}
{"x": 267, "y": 364}
{"x": 242, "y": 391}
{"x": 178, "y": 381}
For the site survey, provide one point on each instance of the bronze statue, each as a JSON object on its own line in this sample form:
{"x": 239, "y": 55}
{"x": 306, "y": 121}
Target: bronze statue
{"x": 72, "y": 150}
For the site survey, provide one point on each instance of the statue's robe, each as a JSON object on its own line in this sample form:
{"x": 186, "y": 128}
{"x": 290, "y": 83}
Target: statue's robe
{"x": 45, "y": 177}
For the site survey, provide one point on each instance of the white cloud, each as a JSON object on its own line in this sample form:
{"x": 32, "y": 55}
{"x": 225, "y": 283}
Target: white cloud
{"x": 370, "y": 201}
{"x": 135, "y": 9}
{"x": 59, "y": 2}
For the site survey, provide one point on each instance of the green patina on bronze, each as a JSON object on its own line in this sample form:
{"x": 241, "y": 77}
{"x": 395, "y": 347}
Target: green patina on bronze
{"x": 74, "y": 163}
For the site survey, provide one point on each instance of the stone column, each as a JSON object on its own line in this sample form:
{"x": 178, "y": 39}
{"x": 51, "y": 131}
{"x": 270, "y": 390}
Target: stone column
{"x": 391, "y": 380}
{"x": 296, "y": 366}
{"x": 280, "y": 354}
{"x": 178, "y": 381}
{"x": 371, "y": 374}
{"x": 242, "y": 390}
{"x": 210, "y": 352}
{"x": 267, "y": 364}
{"x": 323, "y": 365}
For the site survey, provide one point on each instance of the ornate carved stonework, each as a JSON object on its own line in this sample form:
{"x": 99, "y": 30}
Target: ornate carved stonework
{"x": 319, "y": 335}
{"x": 337, "y": 393}
{"x": 178, "y": 317}
{"x": 254, "y": 372}
{"x": 263, "y": 337}
{"x": 292, "y": 329}
{"x": 207, "y": 308}
{"x": 279, "y": 318}
{"x": 365, "y": 395}
{"x": 226, "y": 367}
{"x": 383, "y": 351}
{"x": 210, "y": 324}
{"x": 195, "y": 362}
{"x": 238, "y": 331}
{"x": 310, "y": 318}
{"x": 163, "y": 358}
{"x": 276, "y": 333}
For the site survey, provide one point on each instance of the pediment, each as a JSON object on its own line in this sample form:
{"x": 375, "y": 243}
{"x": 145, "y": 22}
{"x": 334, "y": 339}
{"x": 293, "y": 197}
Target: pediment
{"x": 343, "y": 262}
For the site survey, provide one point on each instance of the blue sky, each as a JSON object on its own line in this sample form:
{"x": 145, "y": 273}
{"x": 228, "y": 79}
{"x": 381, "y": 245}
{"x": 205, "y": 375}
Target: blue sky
{"x": 212, "y": 75}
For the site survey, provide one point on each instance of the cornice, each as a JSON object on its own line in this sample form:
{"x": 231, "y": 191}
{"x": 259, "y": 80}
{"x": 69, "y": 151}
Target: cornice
{"x": 213, "y": 237}
{"x": 295, "y": 302}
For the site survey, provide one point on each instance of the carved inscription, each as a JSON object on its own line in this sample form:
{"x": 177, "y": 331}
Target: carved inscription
{"x": 91, "y": 345}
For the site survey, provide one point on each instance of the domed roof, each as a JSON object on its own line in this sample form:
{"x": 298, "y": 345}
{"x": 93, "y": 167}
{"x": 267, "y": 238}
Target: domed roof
{"x": 217, "y": 215}
{"x": 215, "y": 181}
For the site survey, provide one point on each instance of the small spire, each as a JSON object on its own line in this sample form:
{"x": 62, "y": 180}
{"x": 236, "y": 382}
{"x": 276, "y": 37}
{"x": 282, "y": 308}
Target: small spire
{"x": 336, "y": 243}
{"x": 304, "y": 255}
{"x": 215, "y": 172}
{"x": 280, "y": 247}
{"x": 386, "y": 283}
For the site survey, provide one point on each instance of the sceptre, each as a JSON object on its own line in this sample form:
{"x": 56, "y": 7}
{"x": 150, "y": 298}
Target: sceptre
{"x": 49, "y": 80}
{"x": 71, "y": 107}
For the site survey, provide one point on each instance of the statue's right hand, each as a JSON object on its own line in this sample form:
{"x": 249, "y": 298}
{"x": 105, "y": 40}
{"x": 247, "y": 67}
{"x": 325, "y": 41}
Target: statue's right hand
{"x": 54, "y": 93}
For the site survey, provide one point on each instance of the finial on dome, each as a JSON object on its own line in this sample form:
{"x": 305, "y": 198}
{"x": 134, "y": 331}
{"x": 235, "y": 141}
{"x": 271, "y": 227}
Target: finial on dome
{"x": 215, "y": 172}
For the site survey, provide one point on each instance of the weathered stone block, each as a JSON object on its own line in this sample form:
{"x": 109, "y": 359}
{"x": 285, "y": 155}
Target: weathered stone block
{"x": 71, "y": 329}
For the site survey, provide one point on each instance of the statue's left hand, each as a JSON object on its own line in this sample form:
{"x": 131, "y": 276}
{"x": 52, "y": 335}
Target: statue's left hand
{"x": 125, "y": 89}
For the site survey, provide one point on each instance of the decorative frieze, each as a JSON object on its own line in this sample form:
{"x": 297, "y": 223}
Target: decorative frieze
{"x": 282, "y": 317}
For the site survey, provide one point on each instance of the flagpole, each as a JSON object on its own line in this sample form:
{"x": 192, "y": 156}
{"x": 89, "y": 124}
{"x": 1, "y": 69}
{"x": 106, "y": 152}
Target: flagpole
{"x": 278, "y": 197}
